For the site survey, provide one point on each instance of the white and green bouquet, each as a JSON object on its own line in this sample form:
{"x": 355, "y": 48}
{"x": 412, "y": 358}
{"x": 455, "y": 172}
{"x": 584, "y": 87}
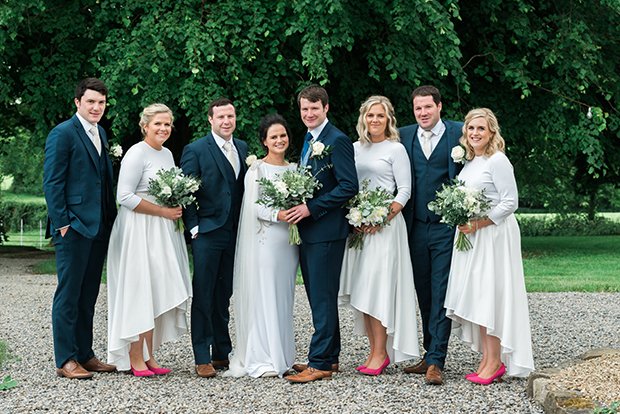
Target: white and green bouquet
{"x": 287, "y": 190}
{"x": 172, "y": 188}
{"x": 457, "y": 204}
{"x": 368, "y": 207}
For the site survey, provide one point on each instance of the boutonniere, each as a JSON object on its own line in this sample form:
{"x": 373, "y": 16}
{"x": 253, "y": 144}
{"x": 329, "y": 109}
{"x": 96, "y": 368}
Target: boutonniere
{"x": 250, "y": 161}
{"x": 458, "y": 154}
{"x": 319, "y": 150}
{"x": 115, "y": 152}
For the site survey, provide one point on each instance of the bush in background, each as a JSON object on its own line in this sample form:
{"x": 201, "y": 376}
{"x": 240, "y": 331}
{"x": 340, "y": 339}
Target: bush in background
{"x": 567, "y": 225}
{"x": 13, "y": 210}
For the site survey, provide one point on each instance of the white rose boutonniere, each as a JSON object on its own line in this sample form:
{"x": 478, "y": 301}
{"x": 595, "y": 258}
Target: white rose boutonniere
{"x": 115, "y": 153}
{"x": 319, "y": 150}
{"x": 458, "y": 154}
{"x": 251, "y": 159}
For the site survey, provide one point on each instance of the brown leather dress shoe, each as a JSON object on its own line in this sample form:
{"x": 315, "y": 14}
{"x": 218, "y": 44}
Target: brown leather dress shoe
{"x": 97, "y": 366}
{"x": 433, "y": 375}
{"x": 220, "y": 364}
{"x": 72, "y": 369}
{"x": 419, "y": 368}
{"x": 205, "y": 370}
{"x": 302, "y": 367}
{"x": 309, "y": 374}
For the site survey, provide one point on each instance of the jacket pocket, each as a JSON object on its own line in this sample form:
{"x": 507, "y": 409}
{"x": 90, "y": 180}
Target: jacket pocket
{"x": 71, "y": 200}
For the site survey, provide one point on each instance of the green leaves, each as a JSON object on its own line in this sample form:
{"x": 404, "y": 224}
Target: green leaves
{"x": 7, "y": 383}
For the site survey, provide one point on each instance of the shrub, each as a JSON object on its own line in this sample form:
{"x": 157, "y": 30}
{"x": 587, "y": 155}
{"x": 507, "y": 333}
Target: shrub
{"x": 568, "y": 225}
{"x": 13, "y": 211}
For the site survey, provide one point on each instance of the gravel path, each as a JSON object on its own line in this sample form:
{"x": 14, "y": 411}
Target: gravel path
{"x": 563, "y": 326}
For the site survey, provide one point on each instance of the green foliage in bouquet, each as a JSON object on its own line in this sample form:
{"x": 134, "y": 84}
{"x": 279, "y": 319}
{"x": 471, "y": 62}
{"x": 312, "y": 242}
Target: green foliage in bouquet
{"x": 172, "y": 188}
{"x": 368, "y": 207}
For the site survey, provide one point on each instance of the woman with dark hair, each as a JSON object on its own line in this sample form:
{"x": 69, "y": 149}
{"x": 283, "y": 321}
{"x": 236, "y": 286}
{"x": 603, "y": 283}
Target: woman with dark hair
{"x": 149, "y": 281}
{"x": 486, "y": 297}
{"x": 265, "y": 268}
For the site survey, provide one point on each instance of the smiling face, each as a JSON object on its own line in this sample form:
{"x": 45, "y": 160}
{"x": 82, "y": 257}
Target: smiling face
{"x": 223, "y": 121}
{"x": 479, "y": 135}
{"x": 313, "y": 114}
{"x": 276, "y": 140}
{"x": 91, "y": 106}
{"x": 426, "y": 112}
{"x": 376, "y": 119}
{"x": 158, "y": 130}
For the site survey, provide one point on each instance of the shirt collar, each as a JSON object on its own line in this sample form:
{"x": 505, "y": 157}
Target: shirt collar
{"x": 87, "y": 125}
{"x": 437, "y": 130}
{"x": 221, "y": 141}
{"x": 317, "y": 131}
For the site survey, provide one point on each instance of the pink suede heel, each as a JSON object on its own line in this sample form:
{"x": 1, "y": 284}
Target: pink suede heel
{"x": 377, "y": 371}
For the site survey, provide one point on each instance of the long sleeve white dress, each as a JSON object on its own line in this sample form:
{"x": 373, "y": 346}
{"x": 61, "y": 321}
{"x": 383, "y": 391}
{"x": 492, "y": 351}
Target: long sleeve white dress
{"x": 378, "y": 279}
{"x": 486, "y": 286}
{"x": 263, "y": 284}
{"x": 149, "y": 281}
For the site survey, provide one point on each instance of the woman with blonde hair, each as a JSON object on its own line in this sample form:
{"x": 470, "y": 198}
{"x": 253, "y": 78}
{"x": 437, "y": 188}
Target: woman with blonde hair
{"x": 376, "y": 282}
{"x": 486, "y": 297}
{"x": 149, "y": 282}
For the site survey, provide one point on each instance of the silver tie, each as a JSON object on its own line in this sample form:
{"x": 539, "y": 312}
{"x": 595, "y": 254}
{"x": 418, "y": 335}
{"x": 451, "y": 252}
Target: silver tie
{"x": 426, "y": 145}
{"x": 230, "y": 155}
{"x": 96, "y": 140}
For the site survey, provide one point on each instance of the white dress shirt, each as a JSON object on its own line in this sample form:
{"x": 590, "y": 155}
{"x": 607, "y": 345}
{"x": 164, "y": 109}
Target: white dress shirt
{"x": 220, "y": 143}
{"x": 438, "y": 131}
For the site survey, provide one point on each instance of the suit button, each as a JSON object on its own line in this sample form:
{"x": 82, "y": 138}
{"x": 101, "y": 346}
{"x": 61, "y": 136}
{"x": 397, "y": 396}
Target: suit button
{"x": 227, "y": 210}
{"x": 427, "y": 197}
{"x": 98, "y": 183}
{"x": 228, "y": 193}
{"x": 427, "y": 186}
{"x": 98, "y": 201}
{"x": 427, "y": 175}
{"x": 428, "y": 164}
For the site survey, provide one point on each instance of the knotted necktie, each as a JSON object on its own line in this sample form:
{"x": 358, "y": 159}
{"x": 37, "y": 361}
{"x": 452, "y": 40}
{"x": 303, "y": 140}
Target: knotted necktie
{"x": 230, "y": 155}
{"x": 426, "y": 145}
{"x": 96, "y": 140}
{"x": 305, "y": 152}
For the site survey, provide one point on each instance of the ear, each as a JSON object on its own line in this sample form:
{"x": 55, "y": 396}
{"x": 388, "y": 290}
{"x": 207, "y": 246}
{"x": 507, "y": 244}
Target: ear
{"x": 77, "y": 103}
{"x": 326, "y": 108}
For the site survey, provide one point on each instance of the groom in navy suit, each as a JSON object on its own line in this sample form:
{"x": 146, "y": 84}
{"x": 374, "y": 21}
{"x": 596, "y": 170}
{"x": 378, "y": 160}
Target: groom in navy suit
{"x": 219, "y": 161}
{"x": 429, "y": 145}
{"x": 323, "y": 229}
{"x": 77, "y": 180}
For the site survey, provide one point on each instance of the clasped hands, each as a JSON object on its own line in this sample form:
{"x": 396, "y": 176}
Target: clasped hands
{"x": 294, "y": 215}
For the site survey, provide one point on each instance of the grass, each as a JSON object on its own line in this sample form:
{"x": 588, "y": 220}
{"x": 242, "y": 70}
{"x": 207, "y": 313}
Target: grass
{"x": 23, "y": 198}
{"x": 571, "y": 264}
{"x": 612, "y": 216}
{"x": 5, "y": 355}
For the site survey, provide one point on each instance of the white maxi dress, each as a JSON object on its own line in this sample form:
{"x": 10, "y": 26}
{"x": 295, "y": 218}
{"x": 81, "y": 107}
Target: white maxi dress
{"x": 263, "y": 284}
{"x": 149, "y": 281}
{"x": 378, "y": 279}
{"x": 486, "y": 286}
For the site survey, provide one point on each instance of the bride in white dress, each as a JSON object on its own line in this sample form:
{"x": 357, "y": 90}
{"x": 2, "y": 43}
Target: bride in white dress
{"x": 486, "y": 297}
{"x": 149, "y": 281}
{"x": 265, "y": 270}
{"x": 377, "y": 281}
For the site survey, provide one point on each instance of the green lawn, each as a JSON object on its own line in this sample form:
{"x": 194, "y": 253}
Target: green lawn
{"x": 572, "y": 264}
{"x": 24, "y": 198}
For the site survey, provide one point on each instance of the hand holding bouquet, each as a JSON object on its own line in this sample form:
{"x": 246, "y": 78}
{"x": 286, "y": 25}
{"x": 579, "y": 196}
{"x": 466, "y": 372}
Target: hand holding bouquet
{"x": 458, "y": 204}
{"x": 368, "y": 207}
{"x": 172, "y": 188}
{"x": 287, "y": 190}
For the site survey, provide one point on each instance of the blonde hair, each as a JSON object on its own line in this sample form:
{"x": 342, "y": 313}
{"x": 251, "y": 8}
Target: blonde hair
{"x": 149, "y": 113}
{"x": 496, "y": 142}
{"x": 391, "y": 133}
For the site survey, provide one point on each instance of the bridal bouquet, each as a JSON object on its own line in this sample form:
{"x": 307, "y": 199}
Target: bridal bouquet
{"x": 368, "y": 207}
{"x": 172, "y": 188}
{"x": 287, "y": 190}
{"x": 457, "y": 204}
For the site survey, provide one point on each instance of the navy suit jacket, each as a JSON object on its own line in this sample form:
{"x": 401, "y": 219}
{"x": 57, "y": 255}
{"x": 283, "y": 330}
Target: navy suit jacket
{"x": 72, "y": 180}
{"x": 203, "y": 159}
{"x": 327, "y": 221}
{"x": 408, "y": 135}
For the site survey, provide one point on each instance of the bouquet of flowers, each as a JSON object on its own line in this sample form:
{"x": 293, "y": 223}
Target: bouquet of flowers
{"x": 368, "y": 207}
{"x": 287, "y": 190}
{"x": 115, "y": 152}
{"x": 172, "y": 188}
{"x": 457, "y": 204}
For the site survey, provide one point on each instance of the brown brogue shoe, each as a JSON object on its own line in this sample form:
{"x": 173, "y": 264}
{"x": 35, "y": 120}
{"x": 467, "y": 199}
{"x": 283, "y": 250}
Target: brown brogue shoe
{"x": 302, "y": 367}
{"x": 72, "y": 369}
{"x": 221, "y": 364}
{"x": 419, "y": 368}
{"x": 433, "y": 375}
{"x": 97, "y": 366}
{"x": 205, "y": 370}
{"x": 308, "y": 375}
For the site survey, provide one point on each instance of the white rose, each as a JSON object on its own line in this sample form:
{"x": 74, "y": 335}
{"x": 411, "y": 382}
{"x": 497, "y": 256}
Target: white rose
{"x": 458, "y": 154}
{"x": 354, "y": 217}
{"x": 117, "y": 151}
{"x": 250, "y": 160}
{"x": 166, "y": 191}
{"x": 382, "y": 212}
{"x": 281, "y": 188}
{"x": 317, "y": 148}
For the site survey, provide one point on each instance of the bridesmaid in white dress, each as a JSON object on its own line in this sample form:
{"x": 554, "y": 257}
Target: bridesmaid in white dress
{"x": 265, "y": 269}
{"x": 486, "y": 297}
{"x": 149, "y": 281}
{"x": 377, "y": 281}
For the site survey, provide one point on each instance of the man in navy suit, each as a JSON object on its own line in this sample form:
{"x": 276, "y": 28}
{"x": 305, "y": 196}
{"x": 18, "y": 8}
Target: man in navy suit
{"x": 219, "y": 161}
{"x": 323, "y": 229}
{"x": 77, "y": 180}
{"x": 429, "y": 145}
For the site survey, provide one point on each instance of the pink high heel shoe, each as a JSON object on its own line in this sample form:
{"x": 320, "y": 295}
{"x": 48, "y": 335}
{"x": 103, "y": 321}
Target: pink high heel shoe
{"x": 158, "y": 371}
{"x": 486, "y": 381}
{"x": 377, "y": 371}
{"x": 145, "y": 373}
{"x": 473, "y": 374}
{"x": 361, "y": 367}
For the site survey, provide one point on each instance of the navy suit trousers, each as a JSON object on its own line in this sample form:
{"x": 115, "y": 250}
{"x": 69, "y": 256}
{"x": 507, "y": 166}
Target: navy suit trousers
{"x": 431, "y": 254}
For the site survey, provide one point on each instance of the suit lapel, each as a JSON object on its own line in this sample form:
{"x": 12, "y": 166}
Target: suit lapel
{"x": 451, "y": 143}
{"x": 88, "y": 143}
{"x": 219, "y": 158}
{"x": 242, "y": 164}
